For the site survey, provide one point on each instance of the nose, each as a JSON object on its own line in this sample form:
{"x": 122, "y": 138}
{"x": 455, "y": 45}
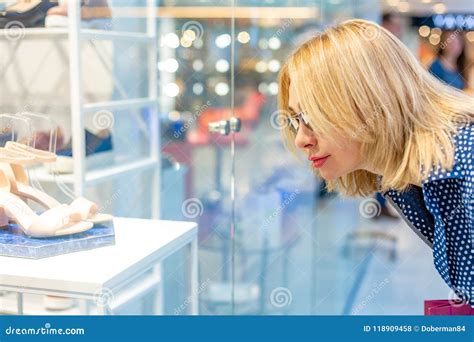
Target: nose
{"x": 305, "y": 138}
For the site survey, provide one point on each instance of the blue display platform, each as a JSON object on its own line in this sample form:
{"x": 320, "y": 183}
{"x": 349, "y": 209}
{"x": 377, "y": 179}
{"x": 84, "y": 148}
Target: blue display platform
{"x": 14, "y": 243}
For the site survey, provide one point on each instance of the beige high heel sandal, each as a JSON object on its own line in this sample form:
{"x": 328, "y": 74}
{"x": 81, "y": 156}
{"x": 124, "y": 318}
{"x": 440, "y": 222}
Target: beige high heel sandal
{"x": 53, "y": 222}
{"x": 81, "y": 208}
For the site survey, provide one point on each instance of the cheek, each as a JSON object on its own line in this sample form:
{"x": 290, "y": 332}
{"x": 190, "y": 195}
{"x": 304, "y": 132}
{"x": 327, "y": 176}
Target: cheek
{"x": 343, "y": 161}
{"x": 351, "y": 157}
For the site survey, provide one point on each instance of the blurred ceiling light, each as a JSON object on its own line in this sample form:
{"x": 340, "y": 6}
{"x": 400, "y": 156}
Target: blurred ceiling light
{"x": 404, "y": 6}
{"x": 273, "y": 88}
{"x": 450, "y": 22}
{"x": 223, "y": 40}
{"x": 222, "y": 65}
{"x": 174, "y": 115}
{"x": 171, "y": 40}
{"x": 189, "y": 34}
{"x": 261, "y": 67}
{"x": 439, "y": 8}
{"x": 170, "y": 65}
{"x": 435, "y": 39}
{"x": 171, "y": 90}
{"x": 424, "y": 31}
{"x": 274, "y": 65}
{"x": 393, "y": 3}
{"x": 243, "y": 37}
{"x": 198, "y": 88}
{"x": 198, "y": 43}
{"x": 274, "y": 43}
{"x": 460, "y": 20}
{"x": 426, "y": 1}
{"x": 198, "y": 65}
{"x": 438, "y": 20}
{"x": 263, "y": 44}
{"x": 185, "y": 42}
{"x": 436, "y": 31}
{"x": 221, "y": 88}
{"x": 470, "y": 36}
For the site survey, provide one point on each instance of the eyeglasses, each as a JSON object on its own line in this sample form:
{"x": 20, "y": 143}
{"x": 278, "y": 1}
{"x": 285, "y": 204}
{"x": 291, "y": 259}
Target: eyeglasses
{"x": 294, "y": 121}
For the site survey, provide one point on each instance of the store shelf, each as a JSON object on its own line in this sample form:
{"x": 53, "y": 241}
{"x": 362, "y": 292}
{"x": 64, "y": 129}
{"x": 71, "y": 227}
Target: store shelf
{"x": 85, "y": 34}
{"x": 34, "y": 305}
{"x": 119, "y": 104}
{"x": 34, "y": 33}
{"x": 42, "y": 174}
{"x": 115, "y": 36}
{"x": 80, "y": 171}
{"x": 95, "y": 176}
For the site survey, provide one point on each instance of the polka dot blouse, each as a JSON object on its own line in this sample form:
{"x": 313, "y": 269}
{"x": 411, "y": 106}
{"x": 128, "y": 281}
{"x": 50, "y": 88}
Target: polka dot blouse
{"x": 441, "y": 212}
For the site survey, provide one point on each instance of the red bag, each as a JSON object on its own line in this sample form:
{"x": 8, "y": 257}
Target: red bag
{"x": 445, "y": 307}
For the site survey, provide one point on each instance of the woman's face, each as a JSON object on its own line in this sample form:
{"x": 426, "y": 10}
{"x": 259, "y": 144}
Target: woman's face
{"x": 333, "y": 156}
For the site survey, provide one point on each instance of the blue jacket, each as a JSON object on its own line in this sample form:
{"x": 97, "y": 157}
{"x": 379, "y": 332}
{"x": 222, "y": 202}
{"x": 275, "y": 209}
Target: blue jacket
{"x": 452, "y": 78}
{"x": 441, "y": 213}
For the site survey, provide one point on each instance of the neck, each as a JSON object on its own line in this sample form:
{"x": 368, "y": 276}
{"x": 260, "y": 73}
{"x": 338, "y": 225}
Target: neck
{"x": 379, "y": 172}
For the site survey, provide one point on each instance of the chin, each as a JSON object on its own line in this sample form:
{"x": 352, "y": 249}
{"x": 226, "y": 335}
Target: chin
{"x": 330, "y": 175}
{"x": 327, "y": 176}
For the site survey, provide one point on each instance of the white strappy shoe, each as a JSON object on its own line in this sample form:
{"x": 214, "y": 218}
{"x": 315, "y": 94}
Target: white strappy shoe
{"x": 53, "y": 222}
{"x": 19, "y": 154}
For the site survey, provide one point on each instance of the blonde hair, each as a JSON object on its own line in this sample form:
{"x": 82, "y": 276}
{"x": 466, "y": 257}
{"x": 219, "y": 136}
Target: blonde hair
{"x": 358, "y": 79}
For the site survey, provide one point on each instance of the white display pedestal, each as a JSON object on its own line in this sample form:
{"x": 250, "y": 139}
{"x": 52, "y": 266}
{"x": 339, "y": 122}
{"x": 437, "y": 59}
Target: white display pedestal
{"x": 109, "y": 277}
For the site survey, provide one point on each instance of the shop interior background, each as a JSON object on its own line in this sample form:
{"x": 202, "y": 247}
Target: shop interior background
{"x": 295, "y": 249}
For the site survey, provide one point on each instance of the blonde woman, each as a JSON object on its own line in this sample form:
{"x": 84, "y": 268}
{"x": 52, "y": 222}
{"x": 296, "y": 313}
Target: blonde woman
{"x": 369, "y": 118}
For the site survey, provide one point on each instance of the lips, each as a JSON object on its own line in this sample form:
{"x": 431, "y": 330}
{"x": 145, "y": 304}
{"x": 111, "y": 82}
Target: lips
{"x": 318, "y": 161}
{"x": 314, "y": 158}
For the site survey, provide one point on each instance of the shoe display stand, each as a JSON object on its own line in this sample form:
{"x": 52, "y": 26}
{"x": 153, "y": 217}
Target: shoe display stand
{"x": 15, "y": 244}
{"x": 83, "y": 176}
